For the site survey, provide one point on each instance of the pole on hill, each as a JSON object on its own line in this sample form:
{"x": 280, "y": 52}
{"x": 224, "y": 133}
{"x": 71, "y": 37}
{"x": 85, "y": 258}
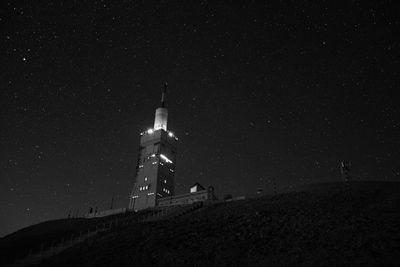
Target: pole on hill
{"x": 274, "y": 186}
{"x": 112, "y": 202}
{"x": 345, "y": 172}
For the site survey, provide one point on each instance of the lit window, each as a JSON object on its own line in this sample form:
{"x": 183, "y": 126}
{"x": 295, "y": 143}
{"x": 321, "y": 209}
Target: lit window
{"x": 140, "y": 166}
{"x": 167, "y": 160}
{"x": 165, "y": 181}
{"x": 145, "y": 179}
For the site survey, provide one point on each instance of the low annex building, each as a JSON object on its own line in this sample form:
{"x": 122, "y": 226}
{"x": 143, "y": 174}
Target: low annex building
{"x": 197, "y": 194}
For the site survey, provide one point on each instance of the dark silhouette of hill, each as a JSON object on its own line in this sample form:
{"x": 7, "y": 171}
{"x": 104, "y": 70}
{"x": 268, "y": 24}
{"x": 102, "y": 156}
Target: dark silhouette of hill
{"x": 41, "y": 236}
{"x": 317, "y": 225}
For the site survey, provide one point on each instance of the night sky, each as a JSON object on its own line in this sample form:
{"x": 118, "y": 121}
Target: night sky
{"x": 282, "y": 90}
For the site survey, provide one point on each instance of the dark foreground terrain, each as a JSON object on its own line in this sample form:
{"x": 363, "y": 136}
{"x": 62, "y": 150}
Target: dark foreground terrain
{"x": 322, "y": 225}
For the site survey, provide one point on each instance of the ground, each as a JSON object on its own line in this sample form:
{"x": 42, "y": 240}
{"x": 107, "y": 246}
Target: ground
{"x": 321, "y": 225}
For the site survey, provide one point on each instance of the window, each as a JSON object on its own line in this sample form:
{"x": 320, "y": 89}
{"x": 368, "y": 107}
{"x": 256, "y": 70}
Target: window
{"x": 166, "y": 190}
{"x": 142, "y": 188}
{"x": 165, "y": 158}
{"x": 145, "y": 179}
{"x": 165, "y": 181}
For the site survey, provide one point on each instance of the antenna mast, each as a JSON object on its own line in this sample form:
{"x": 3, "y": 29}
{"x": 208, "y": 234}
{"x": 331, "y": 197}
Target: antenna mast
{"x": 163, "y": 95}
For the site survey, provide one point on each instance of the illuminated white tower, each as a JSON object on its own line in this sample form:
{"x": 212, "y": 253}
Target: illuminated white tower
{"x": 156, "y": 162}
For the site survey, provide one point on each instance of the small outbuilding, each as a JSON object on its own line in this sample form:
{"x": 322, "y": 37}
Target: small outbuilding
{"x": 197, "y": 194}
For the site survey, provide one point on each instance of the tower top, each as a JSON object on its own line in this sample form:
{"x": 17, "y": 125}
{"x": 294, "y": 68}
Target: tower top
{"x": 161, "y": 118}
{"x": 163, "y": 95}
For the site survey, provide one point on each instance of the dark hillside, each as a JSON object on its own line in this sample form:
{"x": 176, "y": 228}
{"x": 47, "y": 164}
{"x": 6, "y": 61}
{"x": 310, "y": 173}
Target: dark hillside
{"x": 323, "y": 225}
{"x": 43, "y": 235}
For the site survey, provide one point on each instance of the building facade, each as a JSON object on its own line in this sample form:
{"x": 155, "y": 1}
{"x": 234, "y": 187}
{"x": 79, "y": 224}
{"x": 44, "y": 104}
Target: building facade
{"x": 155, "y": 169}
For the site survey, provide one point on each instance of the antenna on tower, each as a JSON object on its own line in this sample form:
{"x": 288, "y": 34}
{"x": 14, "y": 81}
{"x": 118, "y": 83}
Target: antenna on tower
{"x": 161, "y": 118}
{"x": 163, "y": 95}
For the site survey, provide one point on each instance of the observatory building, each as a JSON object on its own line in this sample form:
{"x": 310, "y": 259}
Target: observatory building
{"x": 156, "y": 162}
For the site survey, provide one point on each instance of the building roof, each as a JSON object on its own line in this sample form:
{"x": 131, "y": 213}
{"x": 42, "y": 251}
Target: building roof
{"x": 199, "y": 186}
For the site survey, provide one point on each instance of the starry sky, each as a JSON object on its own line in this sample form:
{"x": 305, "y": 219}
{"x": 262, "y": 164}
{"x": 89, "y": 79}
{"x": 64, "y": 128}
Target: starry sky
{"x": 281, "y": 90}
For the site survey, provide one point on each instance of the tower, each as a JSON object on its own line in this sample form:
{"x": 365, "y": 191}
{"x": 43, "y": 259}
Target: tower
{"x": 156, "y": 163}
